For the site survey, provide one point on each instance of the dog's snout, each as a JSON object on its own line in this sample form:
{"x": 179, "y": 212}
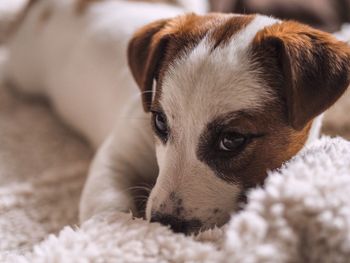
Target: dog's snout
{"x": 178, "y": 225}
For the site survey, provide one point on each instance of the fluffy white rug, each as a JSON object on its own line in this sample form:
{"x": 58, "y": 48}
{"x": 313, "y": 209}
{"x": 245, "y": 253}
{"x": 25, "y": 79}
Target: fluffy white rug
{"x": 302, "y": 215}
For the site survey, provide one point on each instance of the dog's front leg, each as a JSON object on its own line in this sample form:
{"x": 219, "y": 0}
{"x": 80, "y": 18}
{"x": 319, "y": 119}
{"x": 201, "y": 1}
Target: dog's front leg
{"x": 125, "y": 162}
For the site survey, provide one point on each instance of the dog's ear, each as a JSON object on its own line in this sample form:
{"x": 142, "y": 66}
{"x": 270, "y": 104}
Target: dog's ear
{"x": 315, "y": 68}
{"x": 145, "y": 52}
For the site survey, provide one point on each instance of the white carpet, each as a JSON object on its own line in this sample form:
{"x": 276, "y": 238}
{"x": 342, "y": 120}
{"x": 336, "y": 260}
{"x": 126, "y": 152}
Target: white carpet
{"x": 302, "y": 215}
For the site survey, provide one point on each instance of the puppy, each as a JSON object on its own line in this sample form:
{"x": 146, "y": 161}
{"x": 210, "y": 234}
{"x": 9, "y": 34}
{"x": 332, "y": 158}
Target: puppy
{"x": 225, "y": 98}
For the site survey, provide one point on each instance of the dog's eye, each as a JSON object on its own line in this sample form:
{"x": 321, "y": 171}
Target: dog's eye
{"x": 230, "y": 142}
{"x": 160, "y": 124}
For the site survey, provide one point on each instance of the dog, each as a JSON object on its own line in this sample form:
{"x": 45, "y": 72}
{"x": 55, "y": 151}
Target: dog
{"x": 225, "y": 99}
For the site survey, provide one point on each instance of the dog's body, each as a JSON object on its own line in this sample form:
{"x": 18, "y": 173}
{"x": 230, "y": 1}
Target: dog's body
{"x": 230, "y": 102}
{"x": 53, "y": 43}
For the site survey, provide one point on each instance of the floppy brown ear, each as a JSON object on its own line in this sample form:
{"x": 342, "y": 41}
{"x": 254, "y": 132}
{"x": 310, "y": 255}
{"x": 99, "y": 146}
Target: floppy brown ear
{"x": 315, "y": 68}
{"x": 145, "y": 51}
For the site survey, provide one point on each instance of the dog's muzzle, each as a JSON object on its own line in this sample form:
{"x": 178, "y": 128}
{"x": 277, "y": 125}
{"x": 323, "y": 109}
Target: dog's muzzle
{"x": 178, "y": 225}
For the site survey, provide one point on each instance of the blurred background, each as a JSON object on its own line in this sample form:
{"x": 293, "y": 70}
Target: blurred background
{"x": 328, "y": 15}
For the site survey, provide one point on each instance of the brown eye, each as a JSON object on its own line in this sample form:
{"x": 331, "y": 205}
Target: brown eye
{"x": 231, "y": 142}
{"x": 160, "y": 125}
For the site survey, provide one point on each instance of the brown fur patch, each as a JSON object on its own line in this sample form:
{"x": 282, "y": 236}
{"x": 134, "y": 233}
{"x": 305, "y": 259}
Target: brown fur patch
{"x": 310, "y": 68}
{"x": 154, "y": 46}
{"x": 144, "y": 52}
{"x": 223, "y": 33}
{"x": 185, "y": 33}
{"x": 173, "y": 39}
{"x": 277, "y": 143}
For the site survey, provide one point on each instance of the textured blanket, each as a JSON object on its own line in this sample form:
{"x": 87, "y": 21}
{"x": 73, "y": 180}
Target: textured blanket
{"x": 301, "y": 215}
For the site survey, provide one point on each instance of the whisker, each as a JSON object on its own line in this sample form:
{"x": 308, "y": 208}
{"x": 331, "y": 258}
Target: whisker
{"x": 141, "y": 200}
{"x": 135, "y": 189}
{"x": 143, "y": 188}
{"x": 146, "y": 91}
{"x": 141, "y": 197}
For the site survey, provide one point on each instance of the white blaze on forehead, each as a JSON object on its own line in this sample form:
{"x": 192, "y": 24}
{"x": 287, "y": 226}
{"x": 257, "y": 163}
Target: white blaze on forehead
{"x": 206, "y": 82}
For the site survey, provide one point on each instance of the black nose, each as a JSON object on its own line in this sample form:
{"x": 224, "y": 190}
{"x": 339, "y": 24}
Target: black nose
{"x": 176, "y": 224}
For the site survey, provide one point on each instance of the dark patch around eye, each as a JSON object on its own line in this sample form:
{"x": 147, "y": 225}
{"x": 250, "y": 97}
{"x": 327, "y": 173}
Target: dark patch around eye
{"x": 228, "y": 166}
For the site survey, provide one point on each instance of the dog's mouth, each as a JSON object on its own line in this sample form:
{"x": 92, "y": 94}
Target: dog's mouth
{"x": 190, "y": 220}
{"x": 176, "y": 224}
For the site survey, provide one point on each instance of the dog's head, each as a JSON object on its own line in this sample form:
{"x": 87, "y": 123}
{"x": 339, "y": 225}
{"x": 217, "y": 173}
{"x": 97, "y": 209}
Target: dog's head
{"x": 234, "y": 97}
